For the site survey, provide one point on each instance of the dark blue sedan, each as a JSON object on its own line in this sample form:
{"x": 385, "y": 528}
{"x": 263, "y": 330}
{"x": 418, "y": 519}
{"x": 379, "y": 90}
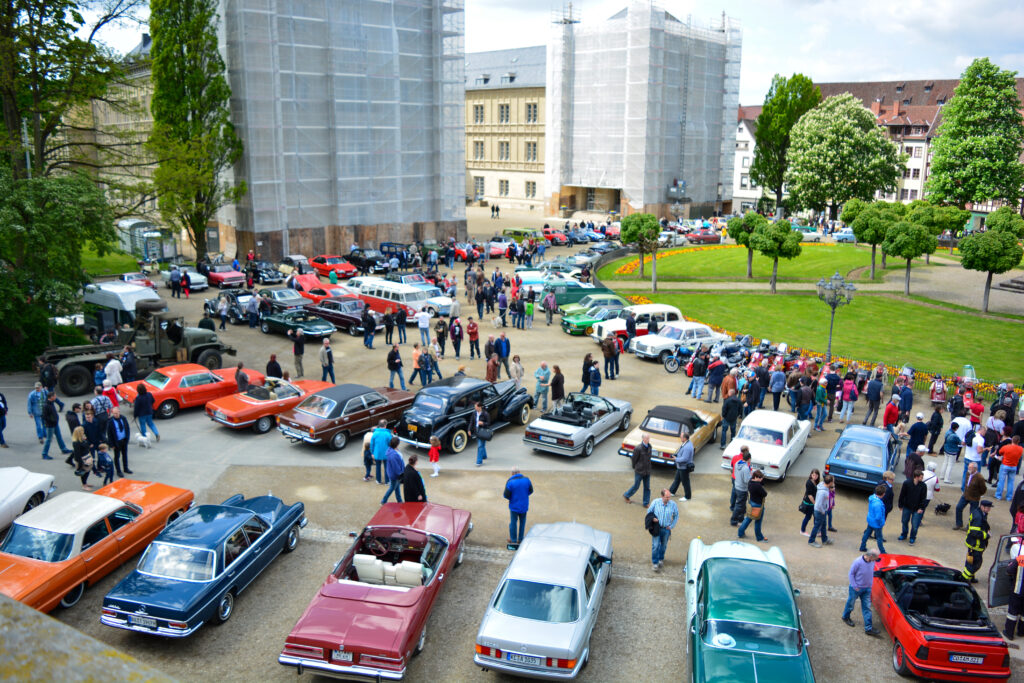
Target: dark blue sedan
{"x": 861, "y": 455}
{"x": 194, "y": 570}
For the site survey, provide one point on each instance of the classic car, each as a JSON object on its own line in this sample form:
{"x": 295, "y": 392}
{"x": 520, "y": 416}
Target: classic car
{"x": 444, "y": 409}
{"x": 775, "y": 440}
{"x": 20, "y": 491}
{"x": 344, "y": 312}
{"x": 336, "y": 414}
{"x": 501, "y": 241}
{"x": 185, "y": 386}
{"x": 670, "y": 238}
{"x": 296, "y": 263}
{"x": 539, "y": 620}
{"x": 237, "y": 301}
{"x": 463, "y": 250}
{"x": 555, "y": 266}
{"x": 569, "y": 291}
{"x": 56, "y": 550}
{"x": 555, "y": 238}
{"x": 266, "y": 273}
{"x": 416, "y": 278}
{"x": 742, "y": 621}
{"x": 602, "y": 300}
{"x": 844, "y": 235}
{"x": 939, "y": 626}
{"x": 807, "y": 233}
{"x": 537, "y": 278}
{"x": 368, "y": 260}
{"x": 583, "y": 323}
{"x": 604, "y": 247}
{"x": 673, "y": 335}
{"x": 584, "y": 257}
{"x": 223, "y": 275}
{"x": 370, "y": 615}
{"x": 325, "y": 263}
{"x": 195, "y": 569}
{"x": 665, "y": 425}
{"x": 594, "y": 235}
{"x": 259, "y": 406}
{"x": 141, "y": 279}
{"x": 643, "y": 313}
{"x": 319, "y": 293}
{"x": 860, "y": 456}
{"x": 196, "y": 280}
{"x": 581, "y": 422}
{"x": 311, "y": 325}
{"x": 437, "y": 303}
{"x": 576, "y": 236}
{"x": 704, "y": 236}
{"x": 283, "y": 298}
{"x": 613, "y": 230}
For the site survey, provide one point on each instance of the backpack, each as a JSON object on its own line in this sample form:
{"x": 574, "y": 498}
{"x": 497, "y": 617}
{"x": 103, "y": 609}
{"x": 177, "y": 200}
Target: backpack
{"x": 956, "y": 406}
{"x": 652, "y": 524}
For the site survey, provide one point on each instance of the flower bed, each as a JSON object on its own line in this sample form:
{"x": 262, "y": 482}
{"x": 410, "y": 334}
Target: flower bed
{"x": 631, "y": 266}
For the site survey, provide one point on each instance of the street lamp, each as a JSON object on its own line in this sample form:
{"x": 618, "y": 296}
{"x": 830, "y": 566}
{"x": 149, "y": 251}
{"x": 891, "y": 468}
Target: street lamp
{"x": 835, "y": 292}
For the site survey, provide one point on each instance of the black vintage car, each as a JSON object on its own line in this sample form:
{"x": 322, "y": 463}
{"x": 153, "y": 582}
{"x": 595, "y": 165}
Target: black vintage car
{"x": 344, "y": 312}
{"x": 282, "y": 298}
{"x": 368, "y": 260}
{"x": 445, "y": 409}
{"x": 265, "y": 273}
{"x": 237, "y": 300}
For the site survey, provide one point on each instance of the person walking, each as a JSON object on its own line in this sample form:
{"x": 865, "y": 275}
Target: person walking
{"x": 684, "y": 465}
{"x": 36, "y": 400}
{"x": 731, "y": 409}
{"x": 491, "y": 372}
{"x": 401, "y": 320}
{"x": 518, "y": 490}
{"x": 849, "y": 392}
{"x": 976, "y": 541}
{"x": 298, "y": 349}
{"x": 608, "y": 351}
{"x": 394, "y": 362}
{"x": 630, "y": 329}
{"x": 389, "y": 326}
{"x": 327, "y": 361}
{"x": 142, "y": 408}
{"x": 540, "y": 389}
{"x": 379, "y": 443}
{"x": 434, "y": 455}
{"x": 456, "y": 333}
{"x": 666, "y": 512}
{"x": 82, "y": 458}
{"x": 588, "y": 360}
{"x": 441, "y": 332}
{"x": 917, "y": 434}
{"x": 222, "y": 312}
{"x": 951, "y": 444}
{"x": 473, "y": 334}
{"x": 913, "y": 500}
{"x": 422, "y": 318}
{"x": 367, "y": 455}
{"x": 699, "y": 369}
{"x": 481, "y": 421}
{"x": 394, "y": 468}
{"x": 740, "y": 483}
{"x": 776, "y": 385}
{"x": 716, "y": 373}
{"x": 641, "y": 463}
{"x": 820, "y": 404}
{"x": 549, "y": 307}
{"x": 118, "y": 433}
{"x": 807, "y": 502}
{"x": 557, "y": 387}
{"x": 757, "y": 493}
{"x": 935, "y": 424}
{"x": 503, "y": 347}
{"x": 412, "y": 482}
{"x": 821, "y": 513}
{"x": 861, "y": 576}
{"x": 973, "y": 489}
{"x": 891, "y": 415}
{"x": 51, "y": 425}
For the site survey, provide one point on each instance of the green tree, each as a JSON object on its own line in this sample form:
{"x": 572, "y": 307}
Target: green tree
{"x": 991, "y": 252}
{"x": 787, "y": 100}
{"x": 1005, "y": 220}
{"x": 776, "y": 240}
{"x": 871, "y": 225}
{"x": 838, "y": 153}
{"x": 937, "y": 219}
{"x": 741, "y": 228}
{"x": 980, "y": 140}
{"x": 908, "y": 241}
{"x": 851, "y": 210}
{"x": 193, "y": 137}
{"x": 642, "y": 230}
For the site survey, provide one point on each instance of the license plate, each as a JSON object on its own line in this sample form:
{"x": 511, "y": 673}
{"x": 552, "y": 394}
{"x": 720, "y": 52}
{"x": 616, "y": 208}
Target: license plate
{"x": 148, "y": 622}
{"x": 857, "y": 473}
{"x": 549, "y": 439}
{"x": 341, "y": 656}
{"x": 966, "y": 659}
{"x": 523, "y": 659}
{"x": 412, "y": 429}
{"x": 219, "y": 415}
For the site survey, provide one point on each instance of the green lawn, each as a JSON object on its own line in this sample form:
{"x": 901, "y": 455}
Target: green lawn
{"x": 731, "y": 265}
{"x": 113, "y": 263}
{"x": 872, "y": 328}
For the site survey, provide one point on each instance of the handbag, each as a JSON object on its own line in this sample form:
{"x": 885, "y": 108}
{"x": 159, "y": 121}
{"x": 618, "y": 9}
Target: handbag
{"x": 755, "y": 511}
{"x": 484, "y": 433}
{"x": 804, "y": 507}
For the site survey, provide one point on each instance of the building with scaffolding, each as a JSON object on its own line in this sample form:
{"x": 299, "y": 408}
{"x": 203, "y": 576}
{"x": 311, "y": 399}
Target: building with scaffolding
{"x": 351, "y": 114}
{"x": 641, "y": 112}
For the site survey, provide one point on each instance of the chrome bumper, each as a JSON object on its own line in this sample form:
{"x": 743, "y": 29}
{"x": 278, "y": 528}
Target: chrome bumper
{"x": 553, "y": 447}
{"x": 224, "y": 422}
{"x": 526, "y": 671}
{"x": 298, "y": 436}
{"x": 412, "y": 442}
{"x": 158, "y": 631}
{"x": 340, "y": 670}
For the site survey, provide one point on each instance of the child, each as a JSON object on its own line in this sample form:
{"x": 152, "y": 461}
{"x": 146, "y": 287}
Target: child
{"x": 367, "y": 454}
{"x": 104, "y": 465}
{"x": 435, "y": 455}
{"x": 529, "y": 315}
{"x": 99, "y": 375}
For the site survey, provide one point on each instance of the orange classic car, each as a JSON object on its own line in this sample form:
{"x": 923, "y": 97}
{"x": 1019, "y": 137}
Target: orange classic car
{"x": 259, "y": 406}
{"x": 185, "y": 386}
{"x": 54, "y": 551}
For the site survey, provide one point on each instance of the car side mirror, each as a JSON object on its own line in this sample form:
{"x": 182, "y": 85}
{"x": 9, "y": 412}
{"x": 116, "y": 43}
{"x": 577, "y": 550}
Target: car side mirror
{"x": 796, "y": 591}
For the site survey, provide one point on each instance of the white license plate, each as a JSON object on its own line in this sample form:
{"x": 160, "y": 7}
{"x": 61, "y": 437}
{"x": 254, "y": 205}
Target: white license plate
{"x": 548, "y": 439}
{"x": 857, "y": 473}
{"x": 292, "y": 432}
{"x": 966, "y": 659}
{"x": 148, "y": 622}
{"x": 219, "y": 415}
{"x": 524, "y": 659}
{"x": 341, "y": 656}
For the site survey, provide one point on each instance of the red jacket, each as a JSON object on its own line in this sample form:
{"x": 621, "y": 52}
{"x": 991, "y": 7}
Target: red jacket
{"x": 473, "y": 331}
{"x": 891, "y": 415}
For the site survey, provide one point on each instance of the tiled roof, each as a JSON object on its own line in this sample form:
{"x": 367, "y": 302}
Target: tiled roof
{"x": 750, "y": 112}
{"x": 527, "y": 65}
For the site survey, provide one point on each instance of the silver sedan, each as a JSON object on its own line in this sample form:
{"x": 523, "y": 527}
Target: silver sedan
{"x": 540, "y": 618}
{"x": 583, "y": 421}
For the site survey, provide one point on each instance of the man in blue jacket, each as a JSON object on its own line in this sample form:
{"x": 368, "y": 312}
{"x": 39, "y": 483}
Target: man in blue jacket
{"x": 518, "y": 489}
{"x": 876, "y": 520}
{"x": 503, "y": 347}
{"x": 379, "y": 446}
{"x": 36, "y": 399}
{"x": 874, "y": 396}
{"x": 395, "y": 467}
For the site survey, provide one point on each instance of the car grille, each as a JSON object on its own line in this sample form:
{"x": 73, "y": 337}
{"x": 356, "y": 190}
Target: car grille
{"x": 641, "y": 347}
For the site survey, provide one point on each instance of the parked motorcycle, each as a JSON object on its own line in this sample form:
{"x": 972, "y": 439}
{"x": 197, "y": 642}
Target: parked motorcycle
{"x": 678, "y": 359}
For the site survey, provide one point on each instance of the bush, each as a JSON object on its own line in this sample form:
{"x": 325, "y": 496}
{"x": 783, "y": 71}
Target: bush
{"x": 21, "y": 357}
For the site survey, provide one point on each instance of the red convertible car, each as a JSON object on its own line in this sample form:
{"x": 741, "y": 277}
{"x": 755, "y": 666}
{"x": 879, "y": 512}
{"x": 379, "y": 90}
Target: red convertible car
{"x": 185, "y": 386}
{"x": 140, "y": 279}
{"x": 370, "y": 615}
{"x": 312, "y": 288}
{"x": 325, "y": 263}
{"x": 939, "y": 626}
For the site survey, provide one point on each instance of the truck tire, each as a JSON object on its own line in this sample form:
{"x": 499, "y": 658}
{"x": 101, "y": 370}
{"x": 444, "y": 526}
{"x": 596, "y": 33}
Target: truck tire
{"x": 210, "y": 359}
{"x": 75, "y": 380}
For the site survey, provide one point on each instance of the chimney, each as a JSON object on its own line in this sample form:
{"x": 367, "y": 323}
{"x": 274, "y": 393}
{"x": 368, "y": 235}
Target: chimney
{"x": 896, "y": 106}
{"x": 876, "y": 107}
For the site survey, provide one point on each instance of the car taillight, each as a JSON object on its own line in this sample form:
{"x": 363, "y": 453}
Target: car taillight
{"x": 564, "y": 442}
{"x": 180, "y": 625}
{"x": 827, "y": 468}
{"x": 488, "y": 651}
{"x": 303, "y": 650}
{"x": 561, "y": 663}
{"x": 378, "y": 660}
{"x": 922, "y": 652}
{"x": 1006, "y": 661}
{"x": 109, "y": 612}
{"x": 278, "y": 418}
{"x": 311, "y": 432}
{"x": 532, "y": 435}
{"x": 628, "y": 447}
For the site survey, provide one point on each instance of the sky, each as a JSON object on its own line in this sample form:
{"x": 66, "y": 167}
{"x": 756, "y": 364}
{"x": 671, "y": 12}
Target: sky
{"x": 828, "y": 40}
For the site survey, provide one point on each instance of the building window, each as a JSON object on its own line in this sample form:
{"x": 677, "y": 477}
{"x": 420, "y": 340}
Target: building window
{"x": 531, "y": 189}
{"x": 503, "y": 188}
{"x": 503, "y": 113}
{"x": 746, "y": 162}
{"x": 478, "y": 150}
{"x": 744, "y": 181}
{"x": 916, "y": 173}
{"x": 906, "y": 173}
{"x": 941, "y": 100}
{"x": 531, "y": 151}
{"x": 899, "y": 88}
{"x": 483, "y": 79}
{"x": 904, "y": 194}
{"x": 478, "y": 186}
{"x": 913, "y": 194}
{"x": 927, "y": 88}
{"x": 503, "y": 151}
{"x": 508, "y": 79}
{"x": 531, "y": 112}
{"x": 918, "y": 152}
{"x": 478, "y": 113}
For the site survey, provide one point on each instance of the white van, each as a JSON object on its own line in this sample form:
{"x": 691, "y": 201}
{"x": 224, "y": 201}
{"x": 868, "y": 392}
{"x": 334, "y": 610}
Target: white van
{"x": 673, "y": 335}
{"x": 379, "y": 295}
{"x": 644, "y": 313}
{"x": 110, "y": 305}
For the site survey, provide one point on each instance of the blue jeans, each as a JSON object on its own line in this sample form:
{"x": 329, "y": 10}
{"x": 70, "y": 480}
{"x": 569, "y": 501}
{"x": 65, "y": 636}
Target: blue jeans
{"x": 912, "y": 519}
{"x": 760, "y": 401}
{"x": 609, "y": 368}
{"x": 3, "y": 425}
{"x": 730, "y": 426}
{"x": 516, "y": 526}
{"x": 328, "y": 370}
{"x": 1007, "y": 474}
{"x": 659, "y": 544}
{"x": 425, "y": 336}
{"x": 393, "y": 485}
{"x": 401, "y": 334}
{"x": 637, "y": 480}
{"x": 698, "y": 387}
{"x": 865, "y": 604}
{"x": 793, "y": 396}
{"x": 481, "y": 451}
{"x": 820, "y": 526}
{"x": 391, "y": 382}
{"x": 544, "y": 393}
{"x": 757, "y": 524}
{"x": 254, "y": 319}
{"x": 50, "y": 432}
{"x": 594, "y": 388}
{"x": 147, "y": 421}
{"x": 819, "y": 416}
{"x": 40, "y": 429}
{"x": 368, "y": 340}
{"x": 379, "y": 465}
{"x": 868, "y": 533}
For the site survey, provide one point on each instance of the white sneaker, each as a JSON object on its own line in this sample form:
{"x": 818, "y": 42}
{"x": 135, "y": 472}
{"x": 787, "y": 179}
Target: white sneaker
{"x": 434, "y": 474}
{"x": 683, "y": 500}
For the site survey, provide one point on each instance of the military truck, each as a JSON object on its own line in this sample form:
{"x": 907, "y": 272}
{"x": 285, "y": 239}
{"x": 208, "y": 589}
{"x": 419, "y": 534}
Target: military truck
{"x": 157, "y": 337}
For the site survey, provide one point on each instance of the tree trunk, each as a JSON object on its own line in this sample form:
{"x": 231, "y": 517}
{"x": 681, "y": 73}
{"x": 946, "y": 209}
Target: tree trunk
{"x": 654, "y": 270}
{"x": 883, "y": 259}
{"x": 750, "y": 263}
{"x": 906, "y": 282}
{"x": 775, "y": 272}
{"x": 988, "y": 288}
{"x": 641, "y": 263}
{"x": 873, "y": 247}
{"x": 778, "y": 205}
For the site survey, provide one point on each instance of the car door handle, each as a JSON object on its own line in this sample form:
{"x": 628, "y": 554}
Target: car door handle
{"x": 440, "y": 577}
{"x": 121, "y": 538}
{"x": 86, "y": 559}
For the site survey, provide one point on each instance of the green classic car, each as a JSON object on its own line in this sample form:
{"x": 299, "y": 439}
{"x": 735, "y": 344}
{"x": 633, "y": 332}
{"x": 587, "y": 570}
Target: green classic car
{"x": 594, "y": 300}
{"x": 583, "y": 324}
{"x": 297, "y": 319}
{"x": 741, "y": 614}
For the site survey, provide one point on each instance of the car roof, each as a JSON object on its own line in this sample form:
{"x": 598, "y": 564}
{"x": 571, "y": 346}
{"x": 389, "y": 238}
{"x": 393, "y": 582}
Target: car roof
{"x": 550, "y": 560}
{"x": 683, "y": 415}
{"x": 205, "y": 526}
{"x": 768, "y": 418}
{"x": 343, "y": 392}
{"x": 181, "y": 369}
{"x": 651, "y": 308}
{"x": 69, "y": 512}
{"x": 751, "y": 590}
{"x": 450, "y": 386}
{"x": 866, "y": 434}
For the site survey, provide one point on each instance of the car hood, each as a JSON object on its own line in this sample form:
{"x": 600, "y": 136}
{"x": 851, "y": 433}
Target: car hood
{"x": 166, "y": 595}
{"x": 238, "y": 403}
{"x": 529, "y": 636}
{"x": 14, "y": 480}
{"x": 20, "y": 576}
{"x": 322, "y": 325}
{"x": 724, "y": 666}
{"x": 580, "y": 320}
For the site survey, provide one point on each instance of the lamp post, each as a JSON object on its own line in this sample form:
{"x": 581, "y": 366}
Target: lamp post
{"x": 835, "y": 292}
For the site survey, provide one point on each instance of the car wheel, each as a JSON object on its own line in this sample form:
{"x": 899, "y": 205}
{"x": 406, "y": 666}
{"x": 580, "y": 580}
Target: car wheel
{"x": 72, "y": 598}
{"x": 458, "y": 440}
{"x": 421, "y": 642}
{"x": 233, "y": 320}
{"x": 899, "y": 660}
{"x": 588, "y": 448}
{"x": 353, "y": 330}
{"x": 263, "y": 425}
{"x": 338, "y": 441}
{"x": 167, "y": 410}
{"x": 524, "y": 414}
{"x": 34, "y": 501}
{"x": 663, "y": 356}
{"x": 210, "y": 359}
{"x": 624, "y": 425}
{"x": 293, "y": 539}
{"x": 225, "y": 608}
{"x": 75, "y": 380}
{"x": 784, "y": 473}
{"x": 265, "y": 327}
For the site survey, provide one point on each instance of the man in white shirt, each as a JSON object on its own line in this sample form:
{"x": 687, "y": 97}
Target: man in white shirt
{"x": 931, "y": 480}
{"x": 975, "y": 450}
{"x": 423, "y": 322}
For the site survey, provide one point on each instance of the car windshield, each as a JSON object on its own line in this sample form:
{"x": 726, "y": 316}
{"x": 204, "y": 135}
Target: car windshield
{"x": 243, "y": 299}
{"x": 319, "y": 406}
{"x": 671, "y": 332}
{"x": 222, "y": 269}
{"x": 373, "y": 254}
{"x": 538, "y": 601}
{"x": 351, "y": 306}
{"x": 157, "y": 379}
{"x": 335, "y": 260}
{"x": 265, "y": 265}
{"x": 428, "y": 402}
{"x": 287, "y": 294}
{"x": 414, "y": 279}
{"x": 763, "y": 638}
{"x": 177, "y": 562}
{"x": 597, "y": 312}
{"x": 662, "y": 426}
{"x": 418, "y": 295}
{"x": 860, "y": 453}
{"x": 760, "y": 435}
{"x": 38, "y": 544}
{"x": 433, "y": 291}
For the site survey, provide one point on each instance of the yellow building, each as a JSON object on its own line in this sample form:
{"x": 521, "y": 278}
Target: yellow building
{"x": 505, "y": 127}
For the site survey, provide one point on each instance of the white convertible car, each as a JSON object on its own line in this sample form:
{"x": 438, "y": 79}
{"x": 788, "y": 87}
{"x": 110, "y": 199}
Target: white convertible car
{"x": 20, "y": 491}
{"x": 775, "y": 440}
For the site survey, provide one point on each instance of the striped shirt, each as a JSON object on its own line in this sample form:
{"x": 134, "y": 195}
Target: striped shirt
{"x": 667, "y": 513}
